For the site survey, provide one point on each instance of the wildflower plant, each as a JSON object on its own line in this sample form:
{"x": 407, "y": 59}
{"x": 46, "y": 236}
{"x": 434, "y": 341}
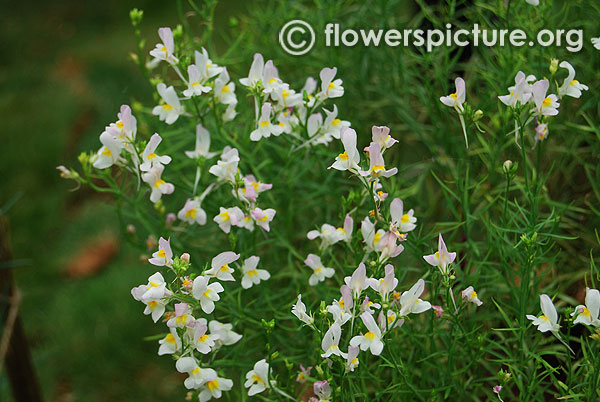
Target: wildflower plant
{"x": 301, "y": 256}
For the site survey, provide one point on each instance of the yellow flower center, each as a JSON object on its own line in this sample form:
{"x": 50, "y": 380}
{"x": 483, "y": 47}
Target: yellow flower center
{"x": 224, "y": 268}
{"x": 405, "y": 218}
{"x": 166, "y": 107}
{"x": 257, "y": 379}
{"x": 264, "y": 123}
{"x": 378, "y": 168}
{"x": 454, "y": 96}
{"x": 159, "y": 183}
{"x": 335, "y": 122}
{"x": 224, "y": 215}
{"x": 152, "y": 305}
{"x": 170, "y": 339}
{"x": 547, "y": 102}
{"x": 191, "y": 213}
{"x": 344, "y": 156}
{"x": 212, "y": 385}
{"x": 574, "y": 82}
{"x": 252, "y": 273}
{"x": 152, "y": 156}
{"x": 106, "y": 152}
{"x": 370, "y": 335}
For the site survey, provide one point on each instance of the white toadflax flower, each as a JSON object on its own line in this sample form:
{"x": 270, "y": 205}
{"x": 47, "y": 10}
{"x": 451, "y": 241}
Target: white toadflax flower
{"x": 158, "y": 186}
{"x": 370, "y": 340}
{"x": 470, "y": 295}
{"x": 588, "y": 314}
{"x": 192, "y": 213}
{"x": 548, "y": 321}
{"x": 331, "y": 340}
{"x": 410, "y": 302}
{"x": 150, "y": 158}
{"x": 320, "y": 273}
{"x": 253, "y": 275}
{"x": 257, "y": 379}
{"x": 170, "y": 110}
{"x": 164, "y": 51}
{"x": 299, "y": 310}
{"x": 571, "y": 87}
{"x": 330, "y": 88}
{"x": 219, "y": 266}
{"x": 207, "y": 293}
{"x": 265, "y": 128}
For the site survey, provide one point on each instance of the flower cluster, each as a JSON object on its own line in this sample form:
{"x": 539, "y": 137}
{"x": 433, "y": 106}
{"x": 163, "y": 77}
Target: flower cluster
{"x": 180, "y": 303}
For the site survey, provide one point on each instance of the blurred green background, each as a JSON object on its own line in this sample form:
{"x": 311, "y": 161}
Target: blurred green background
{"x": 65, "y": 69}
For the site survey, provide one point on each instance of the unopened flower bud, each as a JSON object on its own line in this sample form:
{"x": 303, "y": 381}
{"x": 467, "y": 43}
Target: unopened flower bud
{"x": 507, "y": 166}
{"x": 478, "y": 115}
{"x": 553, "y": 66}
{"x": 131, "y": 229}
{"x": 170, "y": 219}
{"x": 185, "y": 257}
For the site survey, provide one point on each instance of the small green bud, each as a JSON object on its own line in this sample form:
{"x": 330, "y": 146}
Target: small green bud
{"x": 478, "y": 115}
{"x": 136, "y": 16}
{"x": 268, "y": 325}
{"x": 177, "y": 32}
{"x": 553, "y": 66}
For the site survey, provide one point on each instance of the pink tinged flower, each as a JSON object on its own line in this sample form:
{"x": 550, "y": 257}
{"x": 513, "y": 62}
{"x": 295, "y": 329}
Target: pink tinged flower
{"x": 470, "y": 295}
{"x": 299, "y": 310}
{"x": 202, "y": 341}
{"x": 331, "y": 340}
{"x": 438, "y": 311}
{"x": 330, "y": 88}
{"x": 219, "y": 267}
{"x": 368, "y": 306}
{"x": 323, "y": 390}
{"x": 377, "y": 164}
{"x": 370, "y": 340}
{"x": 227, "y": 167}
{"x": 358, "y": 281}
{"x": 519, "y": 93}
{"x": 442, "y": 258}
{"x": 388, "y": 246}
{"x": 457, "y": 98}
{"x": 253, "y": 275}
{"x": 541, "y": 132}
{"x": 588, "y": 314}
{"x": 386, "y": 284}
{"x": 164, "y": 255}
{"x": 158, "y": 186}
{"x": 252, "y": 188}
{"x": 164, "y": 51}
{"x": 410, "y": 302}
{"x": 228, "y": 217}
{"x": 256, "y": 71}
{"x": 170, "y": 344}
{"x": 545, "y": 105}
{"x": 263, "y": 217}
{"x": 371, "y": 236}
{"x": 350, "y": 158}
{"x": 320, "y": 272}
{"x": 170, "y": 109}
{"x": 352, "y": 359}
{"x": 497, "y": 389}
{"x": 207, "y": 293}
{"x": 381, "y": 135}
{"x": 195, "y": 83}
{"x": 303, "y": 374}
{"x": 347, "y": 229}
{"x": 401, "y": 222}
{"x": 265, "y": 128}
{"x": 183, "y": 316}
{"x": 548, "y": 321}
{"x": 571, "y": 87}
{"x": 192, "y": 213}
